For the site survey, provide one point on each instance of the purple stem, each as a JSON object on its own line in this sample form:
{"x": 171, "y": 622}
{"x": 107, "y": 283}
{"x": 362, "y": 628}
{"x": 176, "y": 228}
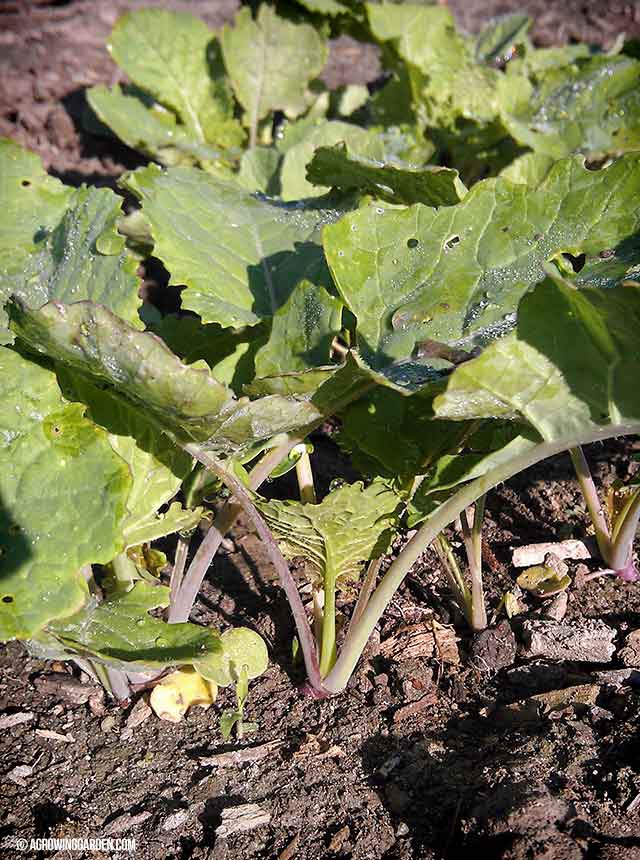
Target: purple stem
{"x": 182, "y": 604}
{"x": 305, "y": 634}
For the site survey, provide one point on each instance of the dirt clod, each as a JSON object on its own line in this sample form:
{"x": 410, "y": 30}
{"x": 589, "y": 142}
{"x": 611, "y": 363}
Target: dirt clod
{"x": 494, "y": 648}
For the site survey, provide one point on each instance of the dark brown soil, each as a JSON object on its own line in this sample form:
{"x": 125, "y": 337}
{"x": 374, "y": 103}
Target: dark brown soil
{"x": 422, "y": 757}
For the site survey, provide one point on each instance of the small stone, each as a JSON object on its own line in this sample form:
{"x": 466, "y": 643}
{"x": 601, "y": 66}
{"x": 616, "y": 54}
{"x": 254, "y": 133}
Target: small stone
{"x": 240, "y": 819}
{"x": 591, "y": 641}
{"x": 629, "y": 655}
{"x": 535, "y": 553}
{"x": 556, "y": 609}
{"x": 19, "y": 774}
{"x": 175, "y": 820}
{"x": 403, "y": 830}
{"x": 8, "y": 721}
{"x": 494, "y": 649}
{"x": 125, "y": 822}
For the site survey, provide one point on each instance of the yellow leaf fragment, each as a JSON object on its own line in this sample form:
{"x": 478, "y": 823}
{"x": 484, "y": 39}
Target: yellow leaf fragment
{"x": 174, "y": 695}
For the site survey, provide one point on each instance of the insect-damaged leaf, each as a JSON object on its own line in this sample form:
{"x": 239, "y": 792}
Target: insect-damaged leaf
{"x": 454, "y": 276}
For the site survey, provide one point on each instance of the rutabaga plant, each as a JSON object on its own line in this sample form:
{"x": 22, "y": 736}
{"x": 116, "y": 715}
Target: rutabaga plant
{"x": 458, "y": 334}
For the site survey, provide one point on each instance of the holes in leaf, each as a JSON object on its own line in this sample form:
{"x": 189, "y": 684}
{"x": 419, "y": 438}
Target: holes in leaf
{"x": 25, "y": 183}
{"x": 412, "y": 243}
{"x": 451, "y": 242}
{"x": 7, "y": 599}
{"x": 607, "y": 253}
{"x": 505, "y": 229}
{"x": 577, "y": 263}
{"x": 56, "y": 429}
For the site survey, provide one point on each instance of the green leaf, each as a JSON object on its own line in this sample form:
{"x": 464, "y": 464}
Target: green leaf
{"x": 389, "y": 434}
{"x": 154, "y": 131}
{"x": 270, "y": 62}
{"x": 424, "y": 36}
{"x": 323, "y": 133}
{"x": 185, "y": 402}
{"x": 241, "y": 648}
{"x": 63, "y": 493}
{"x": 500, "y": 38}
{"x": 591, "y": 106}
{"x": 157, "y": 467}
{"x": 121, "y": 631}
{"x": 230, "y": 353}
{"x": 260, "y": 170}
{"x": 395, "y": 182}
{"x": 447, "y": 85}
{"x": 528, "y": 169}
{"x": 301, "y": 332}
{"x": 239, "y": 256}
{"x": 175, "y": 58}
{"x": 58, "y": 243}
{"x": 351, "y": 525}
{"x": 33, "y": 204}
{"x": 455, "y": 275}
{"x": 571, "y": 364}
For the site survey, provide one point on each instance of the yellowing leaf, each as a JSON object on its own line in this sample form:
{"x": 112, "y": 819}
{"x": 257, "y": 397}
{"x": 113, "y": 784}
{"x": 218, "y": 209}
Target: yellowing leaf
{"x": 175, "y": 694}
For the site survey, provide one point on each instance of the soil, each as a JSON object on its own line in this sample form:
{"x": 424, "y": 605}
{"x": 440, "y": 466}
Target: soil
{"x": 438, "y": 747}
